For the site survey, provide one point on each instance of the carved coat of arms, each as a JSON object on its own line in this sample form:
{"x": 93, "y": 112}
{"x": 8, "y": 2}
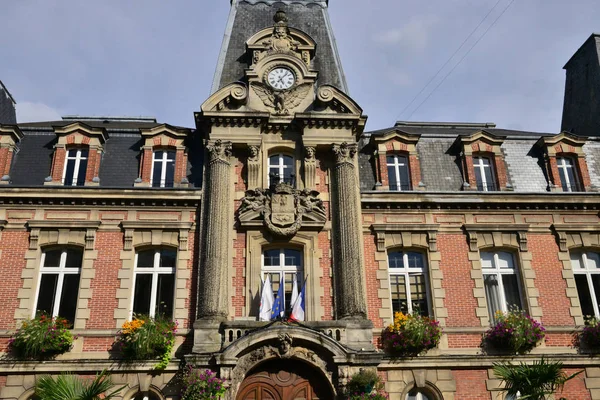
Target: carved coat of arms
{"x": 283, "y": 208}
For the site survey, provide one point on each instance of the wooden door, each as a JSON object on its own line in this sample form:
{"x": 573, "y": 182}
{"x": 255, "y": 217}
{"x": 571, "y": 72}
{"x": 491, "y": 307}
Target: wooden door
{"x": 281, "y": 382}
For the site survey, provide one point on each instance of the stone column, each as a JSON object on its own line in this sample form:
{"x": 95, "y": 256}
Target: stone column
{"x": 254, "y": 167}
{"x": 212, "y": 289}
{"x": 348, "y": 272}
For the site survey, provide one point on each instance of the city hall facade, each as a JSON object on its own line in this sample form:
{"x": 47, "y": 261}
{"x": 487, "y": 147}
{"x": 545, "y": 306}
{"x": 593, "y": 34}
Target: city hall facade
{"x": 105, "y": 218}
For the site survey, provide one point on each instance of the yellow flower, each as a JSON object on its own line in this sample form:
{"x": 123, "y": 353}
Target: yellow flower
{"x": 131, "y": 326}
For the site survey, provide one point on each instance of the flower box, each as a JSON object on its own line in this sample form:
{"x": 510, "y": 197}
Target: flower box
{"x": 41, "y": 338}
{"x": 411, "y": 335}
{"x": 514, "y": 332}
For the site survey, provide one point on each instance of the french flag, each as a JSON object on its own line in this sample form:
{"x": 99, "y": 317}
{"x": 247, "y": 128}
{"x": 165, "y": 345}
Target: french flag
{"x": 299, "y": 305}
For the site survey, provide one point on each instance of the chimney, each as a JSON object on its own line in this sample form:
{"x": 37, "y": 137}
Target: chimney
{"x": 581, "y": 110}
{"x": 8, "y": 113}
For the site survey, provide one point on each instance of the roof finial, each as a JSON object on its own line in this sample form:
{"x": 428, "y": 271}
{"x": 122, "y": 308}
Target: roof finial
{"x": 280, "y": 18}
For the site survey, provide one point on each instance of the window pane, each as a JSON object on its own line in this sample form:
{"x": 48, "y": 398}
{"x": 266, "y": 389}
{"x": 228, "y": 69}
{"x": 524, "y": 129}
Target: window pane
{"x": 511, "y": 291}
{"x": 145, "y": 259}
{"x": 52, "y": 259}
{"x": 81, "y": 172}
{"x": 141, "y": 295}
{"x": 418, "y": 294}
{"x": 392, "y": 178}
{"x": 165, "y": 295}
{"x": 69, "y": 172}
{"x": 505, "y": 260}
{"x": 398, "y": 292}
{"x": 478, "y": 178}
{"x": 487, "y": 260}
{"x": 572, "y": 179}
{"x": 156, "y": 174}
{"x": 492, "y": 295}
{"x": 288, "y": 162}
{"x": 593, "y": 260}
{"x": 68, "y": 300}
{"x": 583, "y": 291}
{"x": 271, "y": 258}
{"x": 171, "y": 155}
{"x": 47, "y": 294}
{"x": 415, "y": 260}
{"x": 596, "y": 285}
{"x": 404, "y": 178}
{"x": 74, "y": 258}
{"x": 72, "y": 153}
{"x": 293, "y": 257}
{"x": 566, "y": 187}
{"x": 576, "y": 261}
{"x": 396, "y": 260}
{"x": 168, "y": 258}
{"x": 391, "y": 159}
{"x": 170, "y": 174}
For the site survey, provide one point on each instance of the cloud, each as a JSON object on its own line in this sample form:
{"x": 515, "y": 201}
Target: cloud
{"x": 413, "y": 34}
{"x": 33, "y": 112}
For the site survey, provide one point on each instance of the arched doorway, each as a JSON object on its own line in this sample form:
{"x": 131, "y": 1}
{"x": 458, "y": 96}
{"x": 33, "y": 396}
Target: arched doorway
{"x": 286, "y": 379}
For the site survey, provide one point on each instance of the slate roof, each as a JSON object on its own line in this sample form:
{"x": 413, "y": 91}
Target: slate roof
{"x": 440, "y": 167}
{"x": 248, "y": 17}
{"x": 120, "y": 162}
{"x": 8, "y": 113}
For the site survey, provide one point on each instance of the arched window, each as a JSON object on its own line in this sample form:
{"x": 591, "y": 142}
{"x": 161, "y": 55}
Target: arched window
{"x": 283, "y": 265}
{"x": 484, "y": 174}
{"x": 500, "y": 281}
{"x": 408, "y": 282}
{"x": 281, "y": 169}
{"x": 59, "y": 283}
{"x": 567, "y": 171}
{"x": 154, "y": 282}
{"x": 163, "y": 168}
{"x": 75, "y": 167}
{"x": 417, "y": 394}
{"x": 398, "y": 172}
{"x": 586, "y": 268}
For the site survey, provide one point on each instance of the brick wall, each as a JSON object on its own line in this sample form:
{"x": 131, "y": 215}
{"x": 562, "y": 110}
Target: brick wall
{"x": 374, "y": 303}
{"x": 13, "y": 246}
{"x": 326, "y": 281}
{"x": 458, "y": 284}
{"x": 470, "y": 385}
{"x": 549, "y": 281}
{"x": 238, "y": 279}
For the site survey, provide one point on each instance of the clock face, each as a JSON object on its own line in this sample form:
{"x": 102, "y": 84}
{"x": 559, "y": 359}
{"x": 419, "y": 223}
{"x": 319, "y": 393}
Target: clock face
{"x": 281, "y": 78}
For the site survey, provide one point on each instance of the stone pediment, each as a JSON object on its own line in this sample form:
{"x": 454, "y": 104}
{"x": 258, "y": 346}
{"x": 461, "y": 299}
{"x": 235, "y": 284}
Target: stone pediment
{"x": 232, "y": 97}
{"x": 282, "y": 209}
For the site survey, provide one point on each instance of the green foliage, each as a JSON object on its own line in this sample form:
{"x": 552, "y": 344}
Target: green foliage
{"x": 365, "y": 385}
{"x": 201, "y": 385}
{"x": 590, "y": 336}
{"x": 71, "y": 387}
{"x": 533, "y": 381}
{"x": 147, "y": 338}
{"x": 41, "y": 338}
{"x": 514, "y": 332}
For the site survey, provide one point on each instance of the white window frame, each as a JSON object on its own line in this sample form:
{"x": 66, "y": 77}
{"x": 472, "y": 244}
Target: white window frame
{"x": 496, "y": 270}
{"x": 61, "y": 271}
{"x": 156, "y": 270}
{"x": 481, "y": 166}
{"x": 163, "y": 162}
{"x": 420, "y": 395}
{"x": 283, "y": 269}
{"x": 281, "y": 167}
{"x": 396, "y": 165}
{"x": 561, "y": 163}
{"x": 588, "y": 272}
{"x": 78, "y": 158}
{"x": 407, "y": 272}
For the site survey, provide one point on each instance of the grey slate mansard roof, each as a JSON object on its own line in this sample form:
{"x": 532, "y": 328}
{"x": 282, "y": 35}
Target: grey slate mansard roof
{"x": 247, "y": 17}
{"x": 441, "y": 171}
{"x": 120, "y": 162}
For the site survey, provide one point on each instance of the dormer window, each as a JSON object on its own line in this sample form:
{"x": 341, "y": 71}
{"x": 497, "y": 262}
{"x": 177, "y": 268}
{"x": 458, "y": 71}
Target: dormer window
{"x": 75, "y": 167}
{"x": 281, "y": 169}
{"x": 163, "y": 168}
{"x": 484, "y": 174}
{"x": 398, "y": 172}
{"x": 568, "y": 174}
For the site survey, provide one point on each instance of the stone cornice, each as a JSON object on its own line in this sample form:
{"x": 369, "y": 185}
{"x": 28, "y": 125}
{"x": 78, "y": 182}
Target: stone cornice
{"x": 62, "y": 224}
{"x": 165, "y": 225}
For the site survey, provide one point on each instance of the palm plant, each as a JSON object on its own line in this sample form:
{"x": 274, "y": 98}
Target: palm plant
{"x": 532, "y": 381}
{"x": 71, "y": 387}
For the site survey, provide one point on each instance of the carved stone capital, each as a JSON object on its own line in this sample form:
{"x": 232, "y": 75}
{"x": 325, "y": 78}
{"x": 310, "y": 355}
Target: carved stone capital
{"x": 345, "y": 152}
{"x": 219, "y": 150}
{"x": 253, "y": 153}
{"x": 309, "y": 154}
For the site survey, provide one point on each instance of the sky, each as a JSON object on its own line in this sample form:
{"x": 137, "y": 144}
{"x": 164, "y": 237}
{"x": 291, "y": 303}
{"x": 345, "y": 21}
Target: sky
{"x": 157, "y": 58}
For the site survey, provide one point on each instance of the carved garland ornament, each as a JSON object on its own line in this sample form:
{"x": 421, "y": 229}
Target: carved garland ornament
{"x": 283, "y": 207}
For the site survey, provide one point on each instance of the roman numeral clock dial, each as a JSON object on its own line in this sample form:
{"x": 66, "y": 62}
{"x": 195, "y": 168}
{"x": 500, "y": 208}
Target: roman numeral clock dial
{"x": 281, "y": 78}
